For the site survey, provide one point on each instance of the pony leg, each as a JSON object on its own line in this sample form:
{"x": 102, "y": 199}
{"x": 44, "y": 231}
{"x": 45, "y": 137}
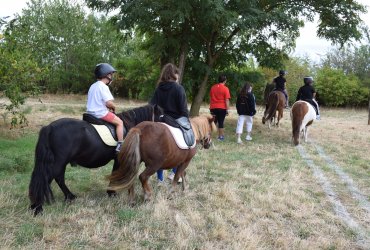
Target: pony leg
{"x": 180, "y": 173}
{"x": 112, "y": 193}
{"x": 131, "y": 195}
{"x": 61, "y": 168}
{"x": 305, "y": 134}
{"x": 68, "y": 195}
{"x": 144, "y": 177}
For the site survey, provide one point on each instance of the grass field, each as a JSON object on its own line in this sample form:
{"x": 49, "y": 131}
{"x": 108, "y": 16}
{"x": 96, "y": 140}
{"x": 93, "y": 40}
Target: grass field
{"x": 264, "y": 194}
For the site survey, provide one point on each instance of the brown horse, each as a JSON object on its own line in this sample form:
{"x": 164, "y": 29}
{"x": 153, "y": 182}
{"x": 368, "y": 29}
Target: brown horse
{"x": 303, "y": 114}
{"x": 275, "y": 104}
{"x": 153, "y": 144}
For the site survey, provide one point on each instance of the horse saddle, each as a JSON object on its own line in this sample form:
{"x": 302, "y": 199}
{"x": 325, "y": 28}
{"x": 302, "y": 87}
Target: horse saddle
{"x": 106, "y": 130}
{"x": 181, "y": 131}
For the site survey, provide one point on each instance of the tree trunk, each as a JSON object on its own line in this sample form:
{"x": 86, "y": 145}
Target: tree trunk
{"x": 182, "y": 60}
{"x": 197, "y": 102}
{"x": 368, "y": 120}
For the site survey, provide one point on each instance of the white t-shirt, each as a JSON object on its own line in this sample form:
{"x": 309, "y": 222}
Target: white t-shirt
{"x": 97, "y": 96}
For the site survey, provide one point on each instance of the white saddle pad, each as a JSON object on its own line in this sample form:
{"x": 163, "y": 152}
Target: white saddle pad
{"x": 105, "y": 134}
{"x": 178, "y": 136}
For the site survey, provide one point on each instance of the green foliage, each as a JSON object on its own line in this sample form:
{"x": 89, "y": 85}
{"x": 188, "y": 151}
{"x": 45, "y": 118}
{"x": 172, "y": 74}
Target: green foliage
{"x": 19, "y": 77}
{"x": 351, "y": 60}
{"x": 137, "y": 74}
{"x": 297, "y": 69}
{"x": 221, "y": 33}
{"x": 66, "y": 41}
{"x": 335, "y": 88}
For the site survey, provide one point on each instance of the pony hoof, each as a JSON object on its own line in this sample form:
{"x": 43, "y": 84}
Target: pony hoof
{"x": 70, "y": 197}
{"x": 37, "y": 209}
{"x": 132, "y": 203}
{"x": 111, "y": 193}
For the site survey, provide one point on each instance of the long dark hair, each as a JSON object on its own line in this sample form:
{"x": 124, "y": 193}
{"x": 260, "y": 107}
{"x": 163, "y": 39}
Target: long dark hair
{"x": 244, "y": 90}
{"x": 168, "y": 73}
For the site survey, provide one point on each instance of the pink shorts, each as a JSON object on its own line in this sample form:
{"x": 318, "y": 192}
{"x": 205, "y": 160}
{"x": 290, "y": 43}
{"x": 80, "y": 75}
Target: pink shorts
{"x": 109, "y": 117}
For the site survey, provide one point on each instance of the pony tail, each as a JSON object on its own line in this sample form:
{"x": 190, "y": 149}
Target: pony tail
{"x": 273, "y": 107}
{"x": 129, "y": 161}
{"x": 39, "y": 188}
{"x": 296, "y": 125}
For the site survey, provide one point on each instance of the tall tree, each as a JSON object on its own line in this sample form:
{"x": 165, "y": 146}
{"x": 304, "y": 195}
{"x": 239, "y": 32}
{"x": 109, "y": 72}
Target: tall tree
{"x": 65, "y": 40}
{"x": 209, "y": 29}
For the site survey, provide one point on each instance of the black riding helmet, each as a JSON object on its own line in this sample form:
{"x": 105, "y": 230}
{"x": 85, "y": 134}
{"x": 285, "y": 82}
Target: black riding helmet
{"x": 282, "y": 72}
{"x": 308, "y": 80}
{"x": 103, "y": 69}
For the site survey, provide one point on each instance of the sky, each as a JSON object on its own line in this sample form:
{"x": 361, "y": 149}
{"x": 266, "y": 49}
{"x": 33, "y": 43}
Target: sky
{"x": 306, "y": 45}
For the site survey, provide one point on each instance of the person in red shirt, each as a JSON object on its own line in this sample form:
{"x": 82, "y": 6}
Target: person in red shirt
{"x": 219, "y": 104}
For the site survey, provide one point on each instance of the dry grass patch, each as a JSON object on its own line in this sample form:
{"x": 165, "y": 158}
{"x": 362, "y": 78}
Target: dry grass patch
{"x": 259, "y": 195}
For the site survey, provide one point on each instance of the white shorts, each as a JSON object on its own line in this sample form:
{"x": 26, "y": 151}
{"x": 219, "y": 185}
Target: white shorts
{"x": 248, "y": 120}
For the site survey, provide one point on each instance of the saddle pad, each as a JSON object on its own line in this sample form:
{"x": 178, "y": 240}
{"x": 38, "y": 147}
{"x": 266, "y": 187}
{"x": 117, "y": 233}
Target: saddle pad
{"x": 178, "y": 136}
{"x": 105, "y": 134}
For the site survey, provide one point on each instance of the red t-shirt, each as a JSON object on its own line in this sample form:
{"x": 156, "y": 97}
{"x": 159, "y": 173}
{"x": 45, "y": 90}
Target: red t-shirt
{"x": 219, "y": 94}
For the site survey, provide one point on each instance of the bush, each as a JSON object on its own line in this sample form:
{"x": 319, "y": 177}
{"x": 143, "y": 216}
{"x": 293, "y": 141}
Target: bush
{"x": 335, "y": 88}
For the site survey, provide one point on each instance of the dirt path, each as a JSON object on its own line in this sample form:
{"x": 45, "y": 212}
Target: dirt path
{"x": 363, "y": 237}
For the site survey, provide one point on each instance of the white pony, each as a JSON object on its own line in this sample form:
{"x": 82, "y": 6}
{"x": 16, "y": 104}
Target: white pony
{"x": 302, "y": 114}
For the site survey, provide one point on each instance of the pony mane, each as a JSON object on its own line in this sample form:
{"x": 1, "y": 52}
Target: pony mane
{"x": 136, "y": 115}
{"x": 201, "y": 126}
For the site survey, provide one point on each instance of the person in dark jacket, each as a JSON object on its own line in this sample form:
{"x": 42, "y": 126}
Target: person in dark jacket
{"x": 170, "y": 96}
{"x": 308, "y": 93}
{"x": 280, "y": 85}
{"x": 246, "y": 108}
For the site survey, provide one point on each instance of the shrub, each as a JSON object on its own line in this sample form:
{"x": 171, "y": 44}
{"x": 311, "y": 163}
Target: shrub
{"x": 335, "y": 88}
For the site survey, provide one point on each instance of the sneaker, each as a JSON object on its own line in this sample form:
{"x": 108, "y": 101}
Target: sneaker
{"x": 160, "y": 183}
{"x": 318, "y": 117}
{"x": 239, "y": 141}
{"x": 221, "y": 138}
{"x": 248, "y": 138}
{"x": 172, "y": 175}
{"x": 118, "y": 148}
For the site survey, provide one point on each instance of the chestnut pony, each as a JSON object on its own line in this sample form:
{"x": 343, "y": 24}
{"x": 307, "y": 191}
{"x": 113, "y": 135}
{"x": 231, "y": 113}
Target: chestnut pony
{"x": 153, "y": 144}
{"x": 274, "y": 108}
{"x": 303, "y": 114}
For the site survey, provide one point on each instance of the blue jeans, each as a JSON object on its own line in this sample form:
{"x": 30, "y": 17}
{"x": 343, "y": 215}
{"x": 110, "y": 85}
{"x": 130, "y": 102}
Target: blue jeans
{"x": 160, "y": 173}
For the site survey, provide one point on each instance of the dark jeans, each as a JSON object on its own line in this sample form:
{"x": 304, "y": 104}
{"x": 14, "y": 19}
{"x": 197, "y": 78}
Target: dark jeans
{"x": 219, "y": 115}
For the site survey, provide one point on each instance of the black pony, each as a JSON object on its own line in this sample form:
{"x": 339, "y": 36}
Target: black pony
{"x": 75, "y": 141}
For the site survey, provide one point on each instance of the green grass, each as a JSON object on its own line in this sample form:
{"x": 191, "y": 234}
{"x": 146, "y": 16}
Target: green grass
{"x": 16, "y": 155}
{"x": 260, "y": 195}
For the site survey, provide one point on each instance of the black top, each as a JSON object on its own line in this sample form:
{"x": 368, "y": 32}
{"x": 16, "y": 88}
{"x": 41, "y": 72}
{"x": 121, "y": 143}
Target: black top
{"x": 172, "y": 98}
{"x": 279, "y": 82}
{"x": 306, "y": 92}
{"x": 246, "y": 105}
